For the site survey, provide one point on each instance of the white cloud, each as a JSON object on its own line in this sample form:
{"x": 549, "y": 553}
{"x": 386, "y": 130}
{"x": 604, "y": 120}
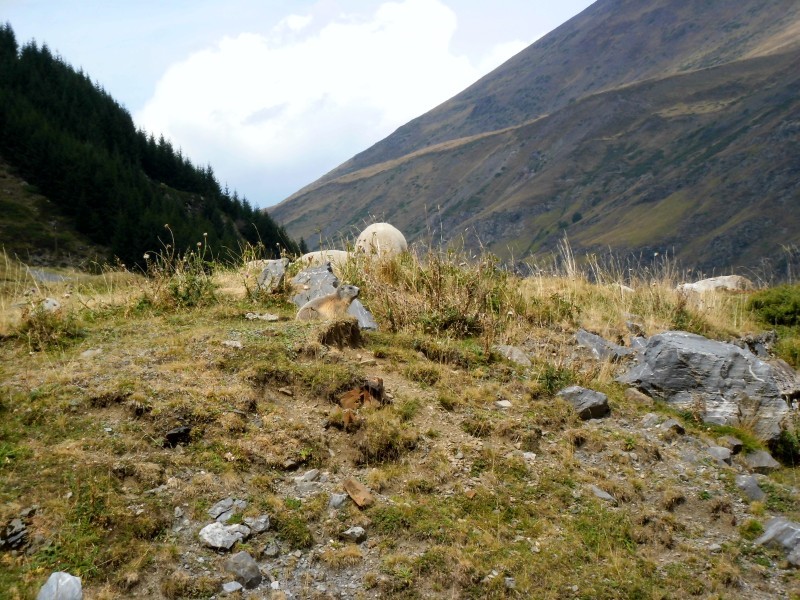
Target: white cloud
{"x": 273, "y": 112}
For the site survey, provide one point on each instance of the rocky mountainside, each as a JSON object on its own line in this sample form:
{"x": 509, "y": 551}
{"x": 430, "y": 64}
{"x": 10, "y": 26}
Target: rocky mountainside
{"x": 664, "y": 126}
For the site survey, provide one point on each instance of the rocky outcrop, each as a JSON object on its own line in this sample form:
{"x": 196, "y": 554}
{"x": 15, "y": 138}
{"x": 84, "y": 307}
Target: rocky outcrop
{"x": 726, "y": 384}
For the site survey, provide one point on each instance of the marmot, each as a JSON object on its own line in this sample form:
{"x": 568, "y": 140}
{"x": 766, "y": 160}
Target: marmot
{"x": 328, "y": 307}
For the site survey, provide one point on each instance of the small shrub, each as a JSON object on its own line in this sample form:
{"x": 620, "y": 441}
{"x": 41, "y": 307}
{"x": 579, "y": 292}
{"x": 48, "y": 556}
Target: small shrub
{"x": 384, "y": 437}
{"x": 751, "y": 529}
{"x": 44, "y": 329}
{"x": 777, "y": 306}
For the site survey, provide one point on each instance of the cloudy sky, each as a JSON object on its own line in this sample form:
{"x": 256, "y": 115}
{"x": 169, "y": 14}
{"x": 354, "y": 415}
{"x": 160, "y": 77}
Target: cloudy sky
{"x": 275, "y": 93}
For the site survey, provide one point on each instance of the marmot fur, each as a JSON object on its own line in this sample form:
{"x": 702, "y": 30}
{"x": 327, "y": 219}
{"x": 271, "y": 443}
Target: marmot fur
{"x": 328, "y": 307}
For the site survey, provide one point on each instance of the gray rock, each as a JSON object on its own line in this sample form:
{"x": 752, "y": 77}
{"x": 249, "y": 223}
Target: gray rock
{"x": 223, "y": 537}
{"x": 750, "y": 488}
{"x": 258, "y": 524}
{"x": 674, "y": 425}
{"x": 365, "y": 318}
{"x": 588, "y": 403}
{"x": 355, "y": 534}
{"x": 61, "y": 586}
{"x": 602, "y": 495}
{"x": 503, "y": 404}
{"x": 721, "y": 454}
{"x": 272, "y": 550}
{"x": 321, "y": 281}
{"x": 337, "y": 501}
{"x": 733, "y": 444}
{"x": 272, "y": 276}
{"x": 601, "y": 348}
{"x": 782, "y": 534}
{"x": 311, "y": 475}
{"x": 762, "y": 462}
{"x": 244, "y": 569}
{"x": 231, "y": 587}
{"x": 223, "y": 510}
{"x": 514, "y": 354}
{"x": 726, "y": 382}
{"x": 15, "y": 535}
{"x": 313, "y": 283}
{"x": 649, "y": 420}
{"x": 787, "y": 379}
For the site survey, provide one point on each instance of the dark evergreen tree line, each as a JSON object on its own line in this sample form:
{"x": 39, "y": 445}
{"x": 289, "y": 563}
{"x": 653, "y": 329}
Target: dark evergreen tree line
{"x": 79, "y": 146}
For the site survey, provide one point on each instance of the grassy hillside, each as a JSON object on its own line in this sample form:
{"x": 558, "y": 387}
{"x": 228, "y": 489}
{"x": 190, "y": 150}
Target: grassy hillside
{"x": 688, "y": 150}
{"x": 471, "y": 499}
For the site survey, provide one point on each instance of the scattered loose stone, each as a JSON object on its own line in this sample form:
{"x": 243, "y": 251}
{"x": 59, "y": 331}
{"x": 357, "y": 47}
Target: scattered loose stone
{"x": 286, "y": 391}
{"x": 223, "y": 537}
{"x": 721, "y": 454}
{"x": 588, "y": 403}
{"x": 649, "y": 420}
{"x": 750, "y": 488}
{"x": 91, "y": 353}
{"x": 733, "y": 444}
{"x": 272, "y": 550}
{"x": 635, "y": 395}
{"x": 503, "y": 404}
{"x": 762, "y": 462}
{"x": 179, "y": 435}
{"x": 514, "y": 354}
{"x": 258, "y": 524}
{"x": 602, "y": 494}
{"x": 223, "y": 510}
{"x": 245, "y": 569}
{"x": 311, "y": 475}
{"x": 233, "y": 344}
{"x": 358, "y": 492}
{"x": 674, "y": 425}
{"x": 601, "y": 348}
{"x": 61, "y": 586}
{"x": 15, "y": 535}
{"x": 784, "y": 535}
{"x": 231, "y": 587}
{"x": 337, "y": 501}
{"x": 355, "y": 534}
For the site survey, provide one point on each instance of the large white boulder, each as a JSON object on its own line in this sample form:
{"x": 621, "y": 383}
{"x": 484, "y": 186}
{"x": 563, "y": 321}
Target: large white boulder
{"x": 337, "y": 258}
{"x": 382, "y": 239}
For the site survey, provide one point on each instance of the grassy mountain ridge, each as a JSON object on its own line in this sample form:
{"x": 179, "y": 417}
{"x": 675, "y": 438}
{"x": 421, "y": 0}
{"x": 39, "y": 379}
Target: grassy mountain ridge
{"x": 680, "y": 138}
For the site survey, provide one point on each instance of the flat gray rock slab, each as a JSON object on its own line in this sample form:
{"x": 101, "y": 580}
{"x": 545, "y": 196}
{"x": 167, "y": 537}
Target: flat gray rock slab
{"x": 589, "y": 404}
{"x": 271, "y": 278}
{"x": 721, "y": 454}
{"x": 729, "y": 384}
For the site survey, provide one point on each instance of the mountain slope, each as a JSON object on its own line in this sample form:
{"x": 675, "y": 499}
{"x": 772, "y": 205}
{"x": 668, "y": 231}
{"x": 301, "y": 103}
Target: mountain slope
{"x": 665, "y": 127}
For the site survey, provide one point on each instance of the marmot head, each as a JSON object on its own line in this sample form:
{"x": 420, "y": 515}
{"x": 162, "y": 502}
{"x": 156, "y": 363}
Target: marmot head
{"x": 348, "y": 292}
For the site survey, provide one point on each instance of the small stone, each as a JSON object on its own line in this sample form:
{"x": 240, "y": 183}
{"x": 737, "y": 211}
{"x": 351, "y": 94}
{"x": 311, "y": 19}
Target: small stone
{"x": 358, "y": 492}
{"x": 529, "y": 456}
{"x": 510, "y": 583}
{"x": 179, "y": 435}
{"x": 311, "y": 475}
{"x": 286, "y": 391}
{"x": 337, "y": 501}
{"x": 245, "y": 569}
{"x": 223, "y": 537}
{"x": 733, "y": 444}
{"x": 91, "y": 353}
{"x": 231, "y": 587}
{"x": 257, "y": 525}
{"x": 503, "y": 404}
{"x": 762, "y": 462}
{"x": 750, "y": 488}
{"x": 589, "y": 404}
{"x": 275, "y": 585}
{"x": 649, "y": 420}
{"x": 603, "y": 495}
{"x": 233, "y": 344}
{"x": 61, "y": 586}
{"x": 721, "y": 454}
{"x": 638, "y": 397}
{"x": 178, "y": 512}
{"x": 272, "y": 550}
{"x": 355, "y": 534}
{"x": 674, "y": 425}
{"x": 514, "y": 354}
